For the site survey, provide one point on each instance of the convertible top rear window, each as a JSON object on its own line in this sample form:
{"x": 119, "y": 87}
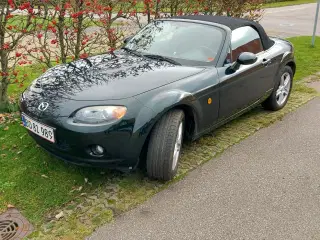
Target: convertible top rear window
{"x": 234, "y": 23}
{"x": 185, "y": 42}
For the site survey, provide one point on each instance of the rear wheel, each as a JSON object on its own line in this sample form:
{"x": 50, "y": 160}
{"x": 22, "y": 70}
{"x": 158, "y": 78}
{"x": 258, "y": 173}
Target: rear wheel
{"x": 280, "y": 95}
{"x": 165, "y": 146}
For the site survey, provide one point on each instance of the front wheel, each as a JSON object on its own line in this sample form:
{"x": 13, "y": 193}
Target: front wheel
{"x": 165, "y": 146}
{"x": 280, "y": 95}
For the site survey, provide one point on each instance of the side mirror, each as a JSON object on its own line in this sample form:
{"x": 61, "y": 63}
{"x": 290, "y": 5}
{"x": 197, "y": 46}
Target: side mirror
{"x": 127, "y": 39}
{"x": 246, "y": 58}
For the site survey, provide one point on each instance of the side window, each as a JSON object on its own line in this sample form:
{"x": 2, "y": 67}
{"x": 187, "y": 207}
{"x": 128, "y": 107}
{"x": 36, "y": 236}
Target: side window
{"x": 245, "y": 39}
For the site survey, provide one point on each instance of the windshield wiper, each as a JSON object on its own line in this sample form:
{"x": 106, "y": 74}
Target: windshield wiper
{"x": 132, "y": 51}
{"x": 162, "y": 58}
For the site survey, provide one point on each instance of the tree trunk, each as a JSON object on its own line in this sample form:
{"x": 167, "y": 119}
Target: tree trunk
{"x": 79, "y": 31}
{"x": 210, "y": 7}
{"x": 3, "y": 83}
{"x": 157, "y": 10}
{"x": 61, "y": 24}
{"x": 4, "y": 69}
{"x": 171, "y": 9}
{"x": 3, "y": 93}
{"x": 148, "y": 15}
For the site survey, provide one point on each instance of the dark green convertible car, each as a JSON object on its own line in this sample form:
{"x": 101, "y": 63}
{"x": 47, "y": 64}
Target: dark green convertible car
{"x": 176, "y": 79}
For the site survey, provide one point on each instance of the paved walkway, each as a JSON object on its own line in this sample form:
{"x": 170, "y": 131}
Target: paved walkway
{"x": 266, "y": 187}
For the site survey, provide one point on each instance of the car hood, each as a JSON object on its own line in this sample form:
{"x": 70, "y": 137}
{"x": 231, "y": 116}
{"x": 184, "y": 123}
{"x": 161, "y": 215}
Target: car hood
{"x": 110, "y": 76}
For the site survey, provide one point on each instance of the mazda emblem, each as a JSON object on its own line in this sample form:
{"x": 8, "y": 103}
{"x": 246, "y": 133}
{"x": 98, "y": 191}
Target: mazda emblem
{"x": 43, "y": 106}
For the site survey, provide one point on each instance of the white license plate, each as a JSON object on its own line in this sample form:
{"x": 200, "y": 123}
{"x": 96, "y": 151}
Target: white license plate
{"x": 38, "y": 128}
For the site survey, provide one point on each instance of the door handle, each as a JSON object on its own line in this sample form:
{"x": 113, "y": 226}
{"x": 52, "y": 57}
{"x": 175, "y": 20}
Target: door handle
{"x": 266, "y": 62}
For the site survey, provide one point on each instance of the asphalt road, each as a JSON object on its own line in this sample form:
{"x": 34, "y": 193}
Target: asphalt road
{"x": 290, "y": 21}
{"x": 266, "y": 187}
{"x": 279, "y": 22}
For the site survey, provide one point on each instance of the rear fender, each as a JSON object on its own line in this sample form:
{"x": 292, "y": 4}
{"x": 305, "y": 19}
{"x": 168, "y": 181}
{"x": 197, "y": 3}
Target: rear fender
{"x": 287, "y": 58}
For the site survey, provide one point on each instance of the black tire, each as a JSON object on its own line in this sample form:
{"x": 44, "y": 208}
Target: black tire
{"x": 161, "y": 147}
{"x": 271, "y": 102}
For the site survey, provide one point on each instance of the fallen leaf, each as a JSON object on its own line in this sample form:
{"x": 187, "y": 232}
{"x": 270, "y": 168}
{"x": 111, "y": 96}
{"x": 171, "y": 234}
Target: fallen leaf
{"x": 19, "y": 152}
{"x": 86, "y": 180}
{"x": 3, "y": 155}
{"x": 6, "y": 128}
{"x": 23, "y": 136}
{"x": 10, "y": 206}
{"x": 59, "y": 215}
{"x": 44, "y": 176}
{"x": 76, "y": 189}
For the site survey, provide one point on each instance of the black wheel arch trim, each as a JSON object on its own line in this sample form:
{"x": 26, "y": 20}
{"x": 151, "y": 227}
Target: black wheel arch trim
{"x": 288, "y": 59}
{"x": 161, "y": 104}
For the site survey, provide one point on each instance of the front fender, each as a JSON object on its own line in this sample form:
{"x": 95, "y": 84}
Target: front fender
{"x": 164, "y": 101}
{"x": 155, "y": 108}
{"x": 161, "y": 103}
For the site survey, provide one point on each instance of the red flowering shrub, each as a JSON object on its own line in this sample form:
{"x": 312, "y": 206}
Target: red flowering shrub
{"x": 14, "y": 27}
{"x": 65, "y": 30}
{"x": 152, "y": 9}
{"x": 75, "y": 29}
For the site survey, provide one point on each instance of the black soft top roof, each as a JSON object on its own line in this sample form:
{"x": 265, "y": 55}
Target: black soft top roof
{"x": 232, "y": 23}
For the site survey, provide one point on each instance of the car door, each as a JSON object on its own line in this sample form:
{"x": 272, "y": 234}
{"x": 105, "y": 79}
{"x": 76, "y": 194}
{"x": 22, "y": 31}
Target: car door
{"x": 249, "y": 83}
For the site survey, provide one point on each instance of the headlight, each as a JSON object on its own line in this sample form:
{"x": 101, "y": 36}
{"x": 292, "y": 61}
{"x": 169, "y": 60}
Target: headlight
{"x": 99, "y": 114}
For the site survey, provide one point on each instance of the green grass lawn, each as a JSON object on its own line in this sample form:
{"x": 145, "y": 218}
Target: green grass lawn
{"x": 287, "y": 3}
{"x": 37, "y": 183}
{"x": 307, "y": 57}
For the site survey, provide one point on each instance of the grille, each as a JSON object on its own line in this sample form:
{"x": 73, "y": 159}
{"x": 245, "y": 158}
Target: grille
{"x": 8, "y": 229}
{"x": 13, "y": 225}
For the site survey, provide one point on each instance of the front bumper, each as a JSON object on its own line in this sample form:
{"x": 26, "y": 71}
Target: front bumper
{"x": 73, "y": 144}
{"x": 75, "y": 150}
{"x": 122, "y": 141}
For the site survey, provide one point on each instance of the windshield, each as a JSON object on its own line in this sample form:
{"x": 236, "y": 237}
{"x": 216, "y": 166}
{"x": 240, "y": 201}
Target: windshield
{"x": 185, "y": 42}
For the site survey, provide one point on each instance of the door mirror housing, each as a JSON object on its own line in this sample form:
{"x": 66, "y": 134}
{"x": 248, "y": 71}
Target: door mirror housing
{"x": 127, "y": 39}
{"x": 246, "y": 58}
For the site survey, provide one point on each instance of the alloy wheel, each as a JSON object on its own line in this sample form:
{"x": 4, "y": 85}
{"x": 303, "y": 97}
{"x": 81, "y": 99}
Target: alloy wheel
{"x": 283, "y": 89}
